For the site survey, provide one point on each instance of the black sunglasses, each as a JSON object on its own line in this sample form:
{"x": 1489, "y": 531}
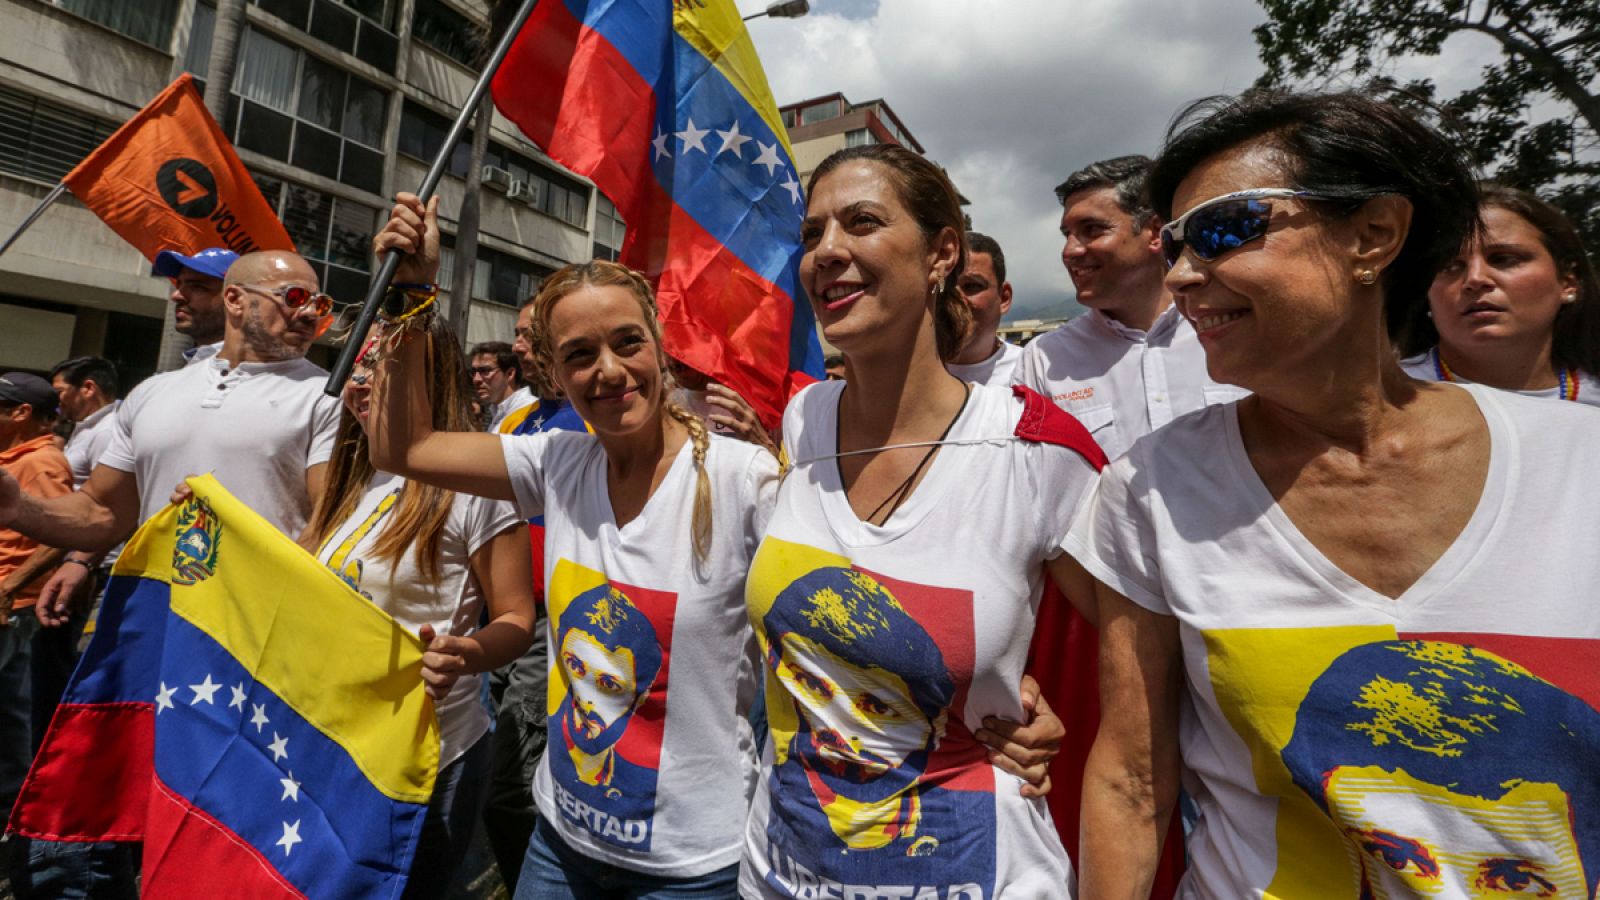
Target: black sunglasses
{"x": 1224, "y": 223}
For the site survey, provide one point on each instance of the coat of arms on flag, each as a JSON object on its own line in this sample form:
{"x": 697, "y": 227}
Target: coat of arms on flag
{"x": 257, "y": 724}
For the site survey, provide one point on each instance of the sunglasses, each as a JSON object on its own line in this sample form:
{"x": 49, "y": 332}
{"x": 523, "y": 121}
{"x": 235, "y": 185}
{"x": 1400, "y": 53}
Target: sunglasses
{"x": 296, "y": 297}
{"x": 484, "y": 371}
{"x": 1223, "y": 223}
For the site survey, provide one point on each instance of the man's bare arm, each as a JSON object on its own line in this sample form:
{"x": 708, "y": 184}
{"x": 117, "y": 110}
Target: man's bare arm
{"x": 98, "y": 517}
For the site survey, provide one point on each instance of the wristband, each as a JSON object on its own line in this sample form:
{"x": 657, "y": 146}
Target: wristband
{"x": 86, "y": 566}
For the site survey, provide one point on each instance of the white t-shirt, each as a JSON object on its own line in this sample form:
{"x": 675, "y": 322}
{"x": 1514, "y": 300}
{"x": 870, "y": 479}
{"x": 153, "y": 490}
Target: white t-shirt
{"x": 89, "y": 440}
{"x": 634, "y": 775}
{"x": 517, "y": 399}
{"x": 1425, "y": 367}
{"x": 451, "y": 601}
{"x": 886, "y": 646}
{"x": 997, "y": 371}
{"x": 258, "y": 427}
{"x": 1444, "y": 743}
{"x": 1120, "y": 382}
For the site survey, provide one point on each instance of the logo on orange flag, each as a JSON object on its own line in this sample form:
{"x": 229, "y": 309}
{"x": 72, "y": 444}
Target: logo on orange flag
{"x": 169, "y": 180}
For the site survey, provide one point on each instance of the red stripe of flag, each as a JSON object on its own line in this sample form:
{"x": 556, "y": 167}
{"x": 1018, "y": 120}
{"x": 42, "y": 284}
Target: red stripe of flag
{"x": 114, "y": 786}
{"x": 190, "y": 854}
{"x": 572, "y": 93}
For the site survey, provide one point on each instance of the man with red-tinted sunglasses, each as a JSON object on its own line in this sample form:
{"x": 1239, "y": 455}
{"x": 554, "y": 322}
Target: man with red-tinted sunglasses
{"x": 254, "y": 414}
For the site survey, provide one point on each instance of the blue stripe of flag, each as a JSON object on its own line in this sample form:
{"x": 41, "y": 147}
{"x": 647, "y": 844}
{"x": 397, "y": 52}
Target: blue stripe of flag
{"x": 744, "y": 206}
{"x": 121, "y": 661}
{"x": 212, "y": 754}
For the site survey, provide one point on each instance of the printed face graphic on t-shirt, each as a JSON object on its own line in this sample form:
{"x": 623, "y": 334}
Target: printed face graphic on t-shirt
{"x": 877, "y": 786}
{"x": 1424, "y": 839}
{"x": 607, "y": 701}
{"x": 602, "y": 680}
{"x": 862, "y": 718}
{"x": 1438, "y": 765}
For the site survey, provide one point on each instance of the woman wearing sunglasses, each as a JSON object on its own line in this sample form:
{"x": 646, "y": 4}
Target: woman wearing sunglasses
{"x": 439, "y": 562}
{"x": 1374, "y": 595}
{"x": 1519, "y": 309}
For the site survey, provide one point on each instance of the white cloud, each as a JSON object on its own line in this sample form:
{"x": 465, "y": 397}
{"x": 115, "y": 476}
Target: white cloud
{"x": 1012, "y": 95}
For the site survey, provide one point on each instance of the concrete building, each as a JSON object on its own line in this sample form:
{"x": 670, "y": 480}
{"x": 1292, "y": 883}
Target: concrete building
{"x": 336, "y": 105}
{"x": 821, "y": 125}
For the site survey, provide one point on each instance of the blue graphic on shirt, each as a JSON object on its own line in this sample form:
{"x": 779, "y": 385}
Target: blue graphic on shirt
{"x": 852, "y": 805}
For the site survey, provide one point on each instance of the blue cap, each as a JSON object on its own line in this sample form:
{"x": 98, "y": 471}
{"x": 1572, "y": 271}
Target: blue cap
{"x": 213, "y": 261}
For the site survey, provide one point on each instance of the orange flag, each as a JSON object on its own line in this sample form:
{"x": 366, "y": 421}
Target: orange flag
{"x": 169, "y": 180}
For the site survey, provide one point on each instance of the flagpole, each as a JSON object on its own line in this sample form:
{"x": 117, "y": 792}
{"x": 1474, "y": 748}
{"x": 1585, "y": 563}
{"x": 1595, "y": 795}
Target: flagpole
{"x": 53, "y": 196}
{"x": 391, "y": 260}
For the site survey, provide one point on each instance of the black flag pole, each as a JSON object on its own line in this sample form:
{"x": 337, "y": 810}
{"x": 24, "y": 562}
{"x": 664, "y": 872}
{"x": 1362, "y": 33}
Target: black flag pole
{"x": 391, "y": 260}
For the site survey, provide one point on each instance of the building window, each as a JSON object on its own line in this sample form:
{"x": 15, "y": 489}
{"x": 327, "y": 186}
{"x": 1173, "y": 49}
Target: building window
{"x": 860, "y": 137}
{"x": 306, "y": 112}
{"x": 447, "y": 31}
{"x": 334, "y": 234}
{"x": 422, "y": 133}
{"x": 608, "y": 229}
{"x": 821, "y": 112}
{"x": 43, "y": 140}
{"x": 147, "y": 21}
{"x": 358, "y": 27}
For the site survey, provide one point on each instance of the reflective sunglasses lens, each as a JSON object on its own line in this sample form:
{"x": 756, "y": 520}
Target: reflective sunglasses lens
{"x": 1217, "y": 229}
{"x": 1171, "y": 247}
{"x": 295, "y": 296}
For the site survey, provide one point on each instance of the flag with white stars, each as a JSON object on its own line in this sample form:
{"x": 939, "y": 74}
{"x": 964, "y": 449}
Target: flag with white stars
{"x": 665, "y": 106}
{"x": 256, "y": 723}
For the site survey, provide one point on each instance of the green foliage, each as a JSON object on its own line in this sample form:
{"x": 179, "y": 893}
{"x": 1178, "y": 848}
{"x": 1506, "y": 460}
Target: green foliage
{"x": 1533, "y": 119}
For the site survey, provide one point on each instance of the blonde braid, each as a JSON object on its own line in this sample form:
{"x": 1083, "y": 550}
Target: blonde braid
{"x": 701, "y": 526}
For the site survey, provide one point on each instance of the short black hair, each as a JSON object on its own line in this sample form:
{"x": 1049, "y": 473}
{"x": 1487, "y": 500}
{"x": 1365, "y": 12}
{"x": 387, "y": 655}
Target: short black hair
{"x": 98, "y": 369}
{"x": 1126, "y": 174}
{"x": 978, "y": 242}
{"x": 1351, "y": 148}
{"x": 504, "y": 356}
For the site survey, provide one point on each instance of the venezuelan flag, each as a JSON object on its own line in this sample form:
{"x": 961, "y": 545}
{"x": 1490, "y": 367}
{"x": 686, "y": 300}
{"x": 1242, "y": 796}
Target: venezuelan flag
{"x": 667, "y": 109}
{"x": 260, "y": 726}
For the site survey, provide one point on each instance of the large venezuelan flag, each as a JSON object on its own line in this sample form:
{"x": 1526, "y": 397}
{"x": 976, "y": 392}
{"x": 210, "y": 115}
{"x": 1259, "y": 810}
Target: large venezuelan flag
{"x": 261, "y": 727}
{"x": 666, "y": 108}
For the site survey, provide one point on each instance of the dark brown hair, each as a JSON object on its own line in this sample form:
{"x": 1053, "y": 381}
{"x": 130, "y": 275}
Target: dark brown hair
{"x": 926, "y": 192}
{"x": 1575, "y": 343}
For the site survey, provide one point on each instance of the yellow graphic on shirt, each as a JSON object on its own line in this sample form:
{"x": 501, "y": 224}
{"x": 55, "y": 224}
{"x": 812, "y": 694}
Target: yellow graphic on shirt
{"x": 349, "y": 570}
{"x": 1413, "y": 767}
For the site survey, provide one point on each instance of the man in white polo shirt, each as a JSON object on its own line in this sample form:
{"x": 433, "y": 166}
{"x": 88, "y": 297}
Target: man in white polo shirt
{"x": 1131, "y": 364}
{"x": 984, "y": 358}
{"x": 254, "y": 415}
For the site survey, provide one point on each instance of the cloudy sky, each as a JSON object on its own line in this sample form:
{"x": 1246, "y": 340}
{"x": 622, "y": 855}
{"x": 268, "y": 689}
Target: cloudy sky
{"x": 1013, "y": 95}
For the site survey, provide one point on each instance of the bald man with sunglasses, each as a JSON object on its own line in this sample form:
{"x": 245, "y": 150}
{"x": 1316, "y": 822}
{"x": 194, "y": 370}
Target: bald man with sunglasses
{"x": 1131, "y": 364}
{"x": 254, "y": 415}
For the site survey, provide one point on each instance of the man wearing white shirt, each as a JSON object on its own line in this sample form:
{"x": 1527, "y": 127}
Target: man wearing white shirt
{"x": 196, "y": 296}
{"x": 497, "y": 381}
{"x": 984, "y": 358}
{"x": 86, "y": 386}
{"x": 1131, "y": 364}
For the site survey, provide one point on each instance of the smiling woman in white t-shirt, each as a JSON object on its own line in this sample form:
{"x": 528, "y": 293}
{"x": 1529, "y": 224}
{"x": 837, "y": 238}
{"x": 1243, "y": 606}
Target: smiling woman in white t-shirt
{"x": 650, "y": 524}
{"x": 439, "y": 562}
{"x": 1360, "y": 606}
{"x": 895, "y": 593}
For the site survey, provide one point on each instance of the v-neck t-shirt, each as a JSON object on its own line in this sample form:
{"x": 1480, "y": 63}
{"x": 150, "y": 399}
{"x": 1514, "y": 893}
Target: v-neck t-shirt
{"x": 885, "y": 647}
{"x": 1342, "y": 743}
{"x": 635, "y": 775}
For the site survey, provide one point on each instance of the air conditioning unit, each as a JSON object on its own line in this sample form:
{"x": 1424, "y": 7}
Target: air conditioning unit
{"x": 497, "y": 178}
{"x": 525, "y": 191}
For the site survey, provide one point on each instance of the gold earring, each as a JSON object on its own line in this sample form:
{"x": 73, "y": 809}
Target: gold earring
{"x": 1367, "y": 276}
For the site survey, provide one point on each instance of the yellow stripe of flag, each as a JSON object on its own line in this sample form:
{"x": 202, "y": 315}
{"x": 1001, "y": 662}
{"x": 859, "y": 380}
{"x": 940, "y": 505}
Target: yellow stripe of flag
{"x": 341, "y": 663}
{"x": 718, "y": 32}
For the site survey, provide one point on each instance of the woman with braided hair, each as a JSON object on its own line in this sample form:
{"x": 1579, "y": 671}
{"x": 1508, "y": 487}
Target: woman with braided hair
{"x": 641, "y": 791}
